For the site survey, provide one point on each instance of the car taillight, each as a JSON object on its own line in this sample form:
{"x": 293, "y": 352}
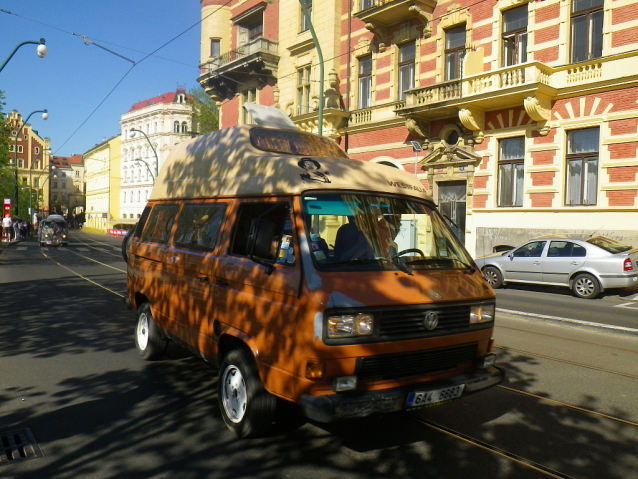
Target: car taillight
{"x": 627, "y": 266}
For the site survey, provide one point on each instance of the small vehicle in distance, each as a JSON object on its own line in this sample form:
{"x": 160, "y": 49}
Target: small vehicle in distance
{"x": 586, "y": 265}
{"x": 53, "y": 231}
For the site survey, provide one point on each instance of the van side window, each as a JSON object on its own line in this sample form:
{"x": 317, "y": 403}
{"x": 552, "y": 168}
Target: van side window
{"x": 199, "y": 225}
{"x": 282, "y": 250}
{"x": 159, "y": 223}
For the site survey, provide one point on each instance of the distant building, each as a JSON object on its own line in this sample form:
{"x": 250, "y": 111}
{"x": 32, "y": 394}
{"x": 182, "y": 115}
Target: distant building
{"x": 102, "y": 165}
{"x": 67, "y": 185}
{"x": 164, "y": 121}
{"x": 32, "y": 161}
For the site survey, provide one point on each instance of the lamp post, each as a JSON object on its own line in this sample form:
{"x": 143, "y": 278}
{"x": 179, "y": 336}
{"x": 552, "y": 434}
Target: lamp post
{"x": 31, "y": 179}
{"x": 45, "y": 116}
{"x": 320, "y": 55}
{"x": 41, "y": 50}
{"x": 51, "y": 172}
{"x": 137, "y": 160}
{"x": 133, "y": 130}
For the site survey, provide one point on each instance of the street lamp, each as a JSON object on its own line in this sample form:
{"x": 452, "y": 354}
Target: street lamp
{"x": 41, "y": 50}
{"x": 31, "y": 179}
{"x": 137, "y": 160}
{"x": 45, "y": 116}
{"x": 133, "y": 130}
{"x": 50, "y": 173}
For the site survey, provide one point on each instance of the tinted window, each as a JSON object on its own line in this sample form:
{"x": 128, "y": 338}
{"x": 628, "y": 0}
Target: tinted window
{"x": 566, "y": 249}
{"x": 159, "y": 223}
{"x": 530, "y": 250}
{"x": 294, "y": 143}
{"x": 199, "y": 225}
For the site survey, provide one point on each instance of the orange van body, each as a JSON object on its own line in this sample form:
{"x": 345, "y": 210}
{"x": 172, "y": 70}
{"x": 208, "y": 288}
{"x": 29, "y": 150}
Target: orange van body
{"x": 340, "y": 337}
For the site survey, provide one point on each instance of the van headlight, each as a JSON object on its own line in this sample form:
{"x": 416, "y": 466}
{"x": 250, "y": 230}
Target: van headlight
{"x": 482, "y": 313}
{"x": 350, "y": 325}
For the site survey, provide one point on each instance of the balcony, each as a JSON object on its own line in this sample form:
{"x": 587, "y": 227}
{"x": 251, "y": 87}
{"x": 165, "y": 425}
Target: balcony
{"x": 220, "y": 76}
{"x": 390, "y": 12}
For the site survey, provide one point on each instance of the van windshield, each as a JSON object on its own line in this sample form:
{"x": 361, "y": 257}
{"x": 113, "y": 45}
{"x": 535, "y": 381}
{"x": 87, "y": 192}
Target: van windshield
{"x": 372, "y": 232}
{"x": 295, "y": 143}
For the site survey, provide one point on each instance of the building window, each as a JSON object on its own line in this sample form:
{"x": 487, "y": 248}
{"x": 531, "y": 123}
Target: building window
{"x": 587, "y": 29}
{"x": 407, "y": 55}
{"x": 365, "y": 82}
{"x": 515, "y": 36}
{"x": 454, "y": 52}
{"x": 582, "y": 166}
{"x": 510, "y": 171}
{"x": 184, "y": 127}
{"x": 176, "y": 127}
{"x": 303, "y": 90}
{"x": 248, "y": 96}
{"x": 305, "y": 24}
{"x": 20, "y": 163}
{"x": 366, "y": 4}
{"x": 20, "y": 149}
{"x": 215, "y": 46}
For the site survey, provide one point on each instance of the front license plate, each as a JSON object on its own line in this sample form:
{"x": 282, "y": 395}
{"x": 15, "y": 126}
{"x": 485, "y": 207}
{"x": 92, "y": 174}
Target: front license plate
{"x": 433, "y": 397}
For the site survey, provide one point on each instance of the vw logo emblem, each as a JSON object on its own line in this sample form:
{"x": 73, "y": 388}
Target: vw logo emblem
{"x": 431, "y": 320}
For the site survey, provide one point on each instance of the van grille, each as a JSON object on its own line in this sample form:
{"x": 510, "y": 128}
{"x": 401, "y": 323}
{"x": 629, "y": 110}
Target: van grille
{"x": 408, "y": 323}
{"x": 392, "y": 366}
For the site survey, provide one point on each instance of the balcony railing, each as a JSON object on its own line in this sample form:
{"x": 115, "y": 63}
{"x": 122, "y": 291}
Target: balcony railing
{"x": 260, "y": 45}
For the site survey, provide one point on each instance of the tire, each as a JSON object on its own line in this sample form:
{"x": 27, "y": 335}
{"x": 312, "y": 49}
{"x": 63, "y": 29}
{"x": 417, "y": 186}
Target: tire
{"x": 149, "y": 340}
{"x": 247, "y": 408}
{"x": 493, "y": 276}
{"x": 126, "y": 242}
{"x": 585, "y": 286}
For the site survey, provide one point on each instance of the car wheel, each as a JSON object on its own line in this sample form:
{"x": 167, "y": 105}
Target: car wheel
{"x": 585, "y": 286}
{"x": 493, "y": 276}
{"x": 149, "y": 340}
{"x": 247, "y": 408}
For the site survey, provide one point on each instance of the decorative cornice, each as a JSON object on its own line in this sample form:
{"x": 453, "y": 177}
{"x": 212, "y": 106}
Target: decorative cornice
{"x": 418, "y": 128}
{"x": 425, "y": 16}
{"x": 538, "y": 107}
{"x": 379, "y": 32}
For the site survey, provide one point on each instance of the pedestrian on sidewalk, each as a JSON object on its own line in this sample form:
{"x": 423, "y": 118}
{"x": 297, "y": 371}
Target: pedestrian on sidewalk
{"x": 6, "y": 227}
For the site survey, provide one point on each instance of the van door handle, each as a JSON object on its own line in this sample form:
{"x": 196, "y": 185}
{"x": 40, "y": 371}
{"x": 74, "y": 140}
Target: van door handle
{"x": 221, "y": 283}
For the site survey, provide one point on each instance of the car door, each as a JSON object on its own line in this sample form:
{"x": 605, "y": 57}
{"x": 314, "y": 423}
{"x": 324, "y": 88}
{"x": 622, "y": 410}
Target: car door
{"x": 258, "y": 296}
{"x": 524, "y": 264}
{"x": 562, "y": 258}
{"x": 189, "y": 268}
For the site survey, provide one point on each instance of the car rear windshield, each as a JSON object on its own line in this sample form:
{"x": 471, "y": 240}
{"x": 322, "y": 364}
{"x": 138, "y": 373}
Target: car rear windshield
{"x": 610, "y": 245}
{"x": 295, "y": 143}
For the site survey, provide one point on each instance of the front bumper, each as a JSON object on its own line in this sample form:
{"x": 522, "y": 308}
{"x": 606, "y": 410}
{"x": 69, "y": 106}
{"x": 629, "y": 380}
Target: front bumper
{"x": 359, "y": 404}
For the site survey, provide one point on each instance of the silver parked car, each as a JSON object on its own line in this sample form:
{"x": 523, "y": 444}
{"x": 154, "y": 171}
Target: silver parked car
{"x": 587, "y": 265}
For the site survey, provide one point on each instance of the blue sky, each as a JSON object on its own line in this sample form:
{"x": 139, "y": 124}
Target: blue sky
{"x": 85, "y": 88}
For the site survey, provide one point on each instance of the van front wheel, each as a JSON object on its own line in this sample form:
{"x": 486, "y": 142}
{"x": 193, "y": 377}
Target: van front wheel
{"x": 149, "y": 341}
{"x": 247, "y": 408}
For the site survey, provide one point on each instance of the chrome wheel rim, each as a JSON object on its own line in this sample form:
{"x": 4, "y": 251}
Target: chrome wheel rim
{"x": 585, "y": 287}
{"x": 142, "y": 331}
{"x": 234, "y": 394}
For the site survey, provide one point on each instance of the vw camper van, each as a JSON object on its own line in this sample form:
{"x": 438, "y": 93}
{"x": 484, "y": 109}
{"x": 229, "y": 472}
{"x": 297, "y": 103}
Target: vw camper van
{"x": 305, "y": 276}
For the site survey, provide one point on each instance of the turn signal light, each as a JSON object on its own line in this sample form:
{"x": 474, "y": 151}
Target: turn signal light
{"x": 314, "y": 369}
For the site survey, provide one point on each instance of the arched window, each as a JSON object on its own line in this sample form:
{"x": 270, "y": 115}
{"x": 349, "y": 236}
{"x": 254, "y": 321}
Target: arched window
{"x": 176, "y": 127}
{"x": 184, "y": 127}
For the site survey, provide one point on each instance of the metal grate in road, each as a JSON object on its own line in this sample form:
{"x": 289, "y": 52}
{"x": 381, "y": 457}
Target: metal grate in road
{"x": 18, "y": 446}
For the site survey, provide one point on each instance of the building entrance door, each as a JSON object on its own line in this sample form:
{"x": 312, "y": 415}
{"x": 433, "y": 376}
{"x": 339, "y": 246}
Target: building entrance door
{"x": 452, "y": 204}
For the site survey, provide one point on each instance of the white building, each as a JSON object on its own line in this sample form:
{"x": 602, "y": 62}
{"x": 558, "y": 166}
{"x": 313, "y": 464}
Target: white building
{"x": 150, "y": 129}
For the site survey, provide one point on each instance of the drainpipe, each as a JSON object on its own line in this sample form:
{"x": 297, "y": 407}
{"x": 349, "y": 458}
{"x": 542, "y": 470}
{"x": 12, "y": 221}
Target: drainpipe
{"x": 314, "y": 39}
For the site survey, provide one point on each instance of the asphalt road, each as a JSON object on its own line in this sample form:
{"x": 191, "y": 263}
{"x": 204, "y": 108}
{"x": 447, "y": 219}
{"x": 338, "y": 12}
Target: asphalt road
{"x": 69, "y": 373}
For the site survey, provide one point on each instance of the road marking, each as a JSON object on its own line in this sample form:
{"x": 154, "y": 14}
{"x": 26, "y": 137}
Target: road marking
{"x": 578, "y": 322}
{"x": 627, "y": 305}
{"x": 21, "y": 248}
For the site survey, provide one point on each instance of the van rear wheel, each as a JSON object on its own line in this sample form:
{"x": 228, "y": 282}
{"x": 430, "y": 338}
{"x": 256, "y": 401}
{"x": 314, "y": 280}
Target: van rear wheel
{"x": 149, "y": 341}
{"x": 247, "y": 408}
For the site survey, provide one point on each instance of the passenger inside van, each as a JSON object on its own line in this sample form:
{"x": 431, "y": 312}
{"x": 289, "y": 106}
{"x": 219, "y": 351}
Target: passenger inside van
{"x": 351, "y": 243}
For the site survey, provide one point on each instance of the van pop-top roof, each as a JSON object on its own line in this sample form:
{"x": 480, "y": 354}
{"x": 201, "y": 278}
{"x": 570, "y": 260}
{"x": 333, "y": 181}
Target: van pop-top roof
{"x": 255, "y": 160}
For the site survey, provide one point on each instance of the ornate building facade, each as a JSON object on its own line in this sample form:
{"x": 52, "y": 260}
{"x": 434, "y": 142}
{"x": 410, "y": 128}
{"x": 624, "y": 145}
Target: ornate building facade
{"x": 150, "y": 129}
{"x": 524, "y": 113}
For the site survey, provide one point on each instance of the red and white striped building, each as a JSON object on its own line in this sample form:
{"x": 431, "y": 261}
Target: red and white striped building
{"x": 526, "y": 112}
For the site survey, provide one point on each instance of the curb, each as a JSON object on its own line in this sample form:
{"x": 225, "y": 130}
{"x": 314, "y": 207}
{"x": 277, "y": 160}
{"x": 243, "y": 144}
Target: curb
{"x": 572, "y": 322}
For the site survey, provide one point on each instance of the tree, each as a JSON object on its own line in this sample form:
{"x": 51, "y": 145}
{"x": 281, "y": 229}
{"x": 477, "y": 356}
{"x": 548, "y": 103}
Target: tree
{"x": 205, "y": 111}
{"x": 5, "y": 133}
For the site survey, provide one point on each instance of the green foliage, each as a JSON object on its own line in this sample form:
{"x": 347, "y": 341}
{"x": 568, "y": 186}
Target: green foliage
{"x": 5, "y": 134}
{"x": 205, "y": 111}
